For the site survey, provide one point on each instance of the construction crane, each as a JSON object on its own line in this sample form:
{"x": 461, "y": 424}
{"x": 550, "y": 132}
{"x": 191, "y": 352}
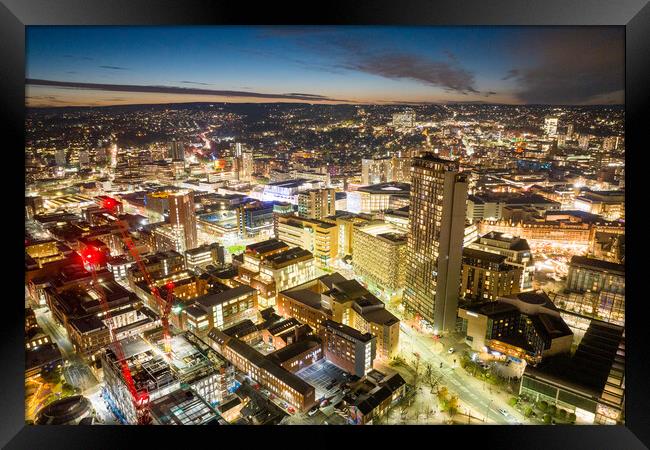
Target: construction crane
{"x": 164, "y": 306}
{"x": 140, "y": 398}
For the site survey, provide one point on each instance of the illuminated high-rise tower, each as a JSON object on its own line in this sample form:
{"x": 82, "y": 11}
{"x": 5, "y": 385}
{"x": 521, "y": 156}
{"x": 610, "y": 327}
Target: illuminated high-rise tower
{"x": 182, "y": 218}
{"x": 435, "y": 241}
{"x": 177, "y": 151}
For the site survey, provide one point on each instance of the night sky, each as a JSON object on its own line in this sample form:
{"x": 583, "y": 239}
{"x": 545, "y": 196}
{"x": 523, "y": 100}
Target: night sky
{"x": 96, "y": 66}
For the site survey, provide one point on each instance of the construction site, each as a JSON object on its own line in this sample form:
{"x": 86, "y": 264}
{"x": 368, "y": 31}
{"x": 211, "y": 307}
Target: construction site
{"x": 191, "y": 365}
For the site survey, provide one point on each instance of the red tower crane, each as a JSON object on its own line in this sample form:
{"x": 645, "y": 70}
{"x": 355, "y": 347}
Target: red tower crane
{"x": 163, "y": 305}
{"x": 140, "y": 398}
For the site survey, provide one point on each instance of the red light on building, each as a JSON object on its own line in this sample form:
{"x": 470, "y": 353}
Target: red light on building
{"x": 109, "y": 203}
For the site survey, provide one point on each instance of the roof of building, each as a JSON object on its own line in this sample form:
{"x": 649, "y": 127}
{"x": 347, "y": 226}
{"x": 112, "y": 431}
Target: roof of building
{"x": 287, "y": 257}
{"x": 211, "y": 300}
{"x": 592, "y": 263}
{"x": 348, "y": 331}
{"x": 515, "y": 242}
{"x": 392, "y": 188}
{"x": 589, "y": 367}
{"x": 64, "y": 411}
{"x": 282, "y": 326}
{"x": 42, "y": 355}
{"x": 267, "y": 364}
{"x": 469, "y": 252}
{"x": 267, "y": 246}
{"x": 241, "y": 329}
{"x": 290, "y": 351}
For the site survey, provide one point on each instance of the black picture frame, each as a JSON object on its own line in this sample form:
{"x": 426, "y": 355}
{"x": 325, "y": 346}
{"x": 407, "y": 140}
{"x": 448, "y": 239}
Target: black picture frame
{"x": 634, "y": 15}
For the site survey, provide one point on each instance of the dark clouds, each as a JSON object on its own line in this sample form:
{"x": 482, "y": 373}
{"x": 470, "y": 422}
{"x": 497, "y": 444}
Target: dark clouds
{"x": 175, "y": 90}
{"x": 114, "y": 67}
{"x": 572, "y": 66}
{"x": 352, "y": 54}
{"x": 448, "y": 75}
{"x": 195, "y": 82}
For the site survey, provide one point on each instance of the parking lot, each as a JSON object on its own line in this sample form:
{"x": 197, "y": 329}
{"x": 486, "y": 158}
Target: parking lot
{"x": 320, "y": 375}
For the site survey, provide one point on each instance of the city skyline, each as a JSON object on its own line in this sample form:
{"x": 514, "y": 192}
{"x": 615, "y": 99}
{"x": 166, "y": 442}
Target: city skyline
{"x": 101, "y": 66}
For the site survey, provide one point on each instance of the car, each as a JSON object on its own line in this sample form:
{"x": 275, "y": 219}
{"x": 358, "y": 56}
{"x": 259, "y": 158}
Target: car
{"x": 504, "y": 412}
{"x": 324, "y": 403}
{"x": 451, "y": 350}
{"x": 291, "y": 410}
{"x": 312, "y": 411}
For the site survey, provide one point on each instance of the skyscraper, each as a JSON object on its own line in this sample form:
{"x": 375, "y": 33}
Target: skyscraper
{"x": 246, "y": 166}
{"x": 569, "y": 131}
{"x": 435, "y": 242}
{"x": 182, "y": 218}
{"x": 60, "y": 157}
{"x": 176, "y": 151}
{"x": 550, "y": 126}
{"x": 317, "y": 203}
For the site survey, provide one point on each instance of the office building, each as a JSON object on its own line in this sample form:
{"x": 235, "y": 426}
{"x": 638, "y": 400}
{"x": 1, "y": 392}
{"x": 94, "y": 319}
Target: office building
{"x": 486, "y": 276}
{"x": 526, "y": 326}
{"x": 183, "y": 407}
{"x": 348, "y": 348}
{"x": 590, "y": 384}
{"x": 255, "y": 219}
{"x": 385, "y": 170}
{"x": 182, "y": 219}
{"x": 278, "y": 380}
{"x": 176, "y": 151}
{"x": 569, "y": 131}
{"x": 550, "y": 126}
{"x": 516, "y": 251}
{"x": 60, "y": 157}
{"x": 205, "y": 255}
{"x": 595, "y": 275}
{"x": 316, "y": 203}
{"x": 378, "y": 197}
{"x": 316, "y": 236}
{"x": 332, "y": 297}
{"x": 609, "y": 204}
{"x": 379, "y": 255}
{"x": 346, "y": 222}
{"x": 434, "y": 248}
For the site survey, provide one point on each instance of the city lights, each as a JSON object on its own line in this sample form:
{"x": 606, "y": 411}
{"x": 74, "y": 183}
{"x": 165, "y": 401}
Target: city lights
{"x": 275, "y": 256}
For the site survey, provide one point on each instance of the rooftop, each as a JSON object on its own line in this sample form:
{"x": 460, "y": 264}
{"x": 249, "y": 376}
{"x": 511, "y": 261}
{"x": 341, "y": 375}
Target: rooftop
{"x": 592, "y": 263}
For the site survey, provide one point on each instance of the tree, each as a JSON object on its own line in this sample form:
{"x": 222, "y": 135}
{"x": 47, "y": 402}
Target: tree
{"x": 452, "y": 406}
{"x": 542, "y": 406}
{"x": 513, "y": 401}
{"x": 562, "y": 414}
{"x": 528, "y": 411}
{"x": 67, "y": 389}
{"x": 52, "y": 376}
{"x": 546, "y": 418}
{"x": 572, "y": 418}
{"x": 552, "y": 410}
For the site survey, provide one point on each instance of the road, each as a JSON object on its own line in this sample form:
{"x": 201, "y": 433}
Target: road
{"x": 473, "y": 393}
{"x": 76, "y": 372}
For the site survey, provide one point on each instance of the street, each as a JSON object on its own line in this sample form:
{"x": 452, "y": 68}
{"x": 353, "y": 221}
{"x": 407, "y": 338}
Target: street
{"x": 75, "y": 370}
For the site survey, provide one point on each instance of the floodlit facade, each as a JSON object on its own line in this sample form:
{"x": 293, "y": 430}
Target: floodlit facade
{"x": 434, "y": 251}
{"x": 379, "y": 255}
